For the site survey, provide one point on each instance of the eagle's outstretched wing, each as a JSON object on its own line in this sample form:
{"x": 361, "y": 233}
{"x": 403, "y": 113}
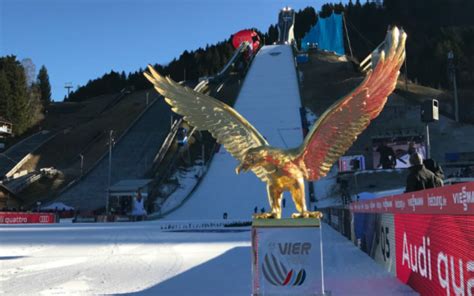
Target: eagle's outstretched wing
{"x": 225, "y": 124}
{"x": 335, "y": 131}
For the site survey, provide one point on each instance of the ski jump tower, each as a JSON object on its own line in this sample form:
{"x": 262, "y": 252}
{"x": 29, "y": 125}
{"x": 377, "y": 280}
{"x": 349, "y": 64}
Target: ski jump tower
{"x": 286, "y": 23}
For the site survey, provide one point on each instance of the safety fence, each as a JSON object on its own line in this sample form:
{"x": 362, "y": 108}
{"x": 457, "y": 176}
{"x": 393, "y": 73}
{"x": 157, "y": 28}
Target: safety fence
{"x": 424, "y": 238}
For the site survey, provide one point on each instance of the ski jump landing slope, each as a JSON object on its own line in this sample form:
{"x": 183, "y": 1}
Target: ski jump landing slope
{"x": 269, "y": 100}
{"x": 132, "y": 157}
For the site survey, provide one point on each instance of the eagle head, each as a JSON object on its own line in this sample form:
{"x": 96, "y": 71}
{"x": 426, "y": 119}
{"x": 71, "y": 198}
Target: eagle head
{"x": 254, "y": 157}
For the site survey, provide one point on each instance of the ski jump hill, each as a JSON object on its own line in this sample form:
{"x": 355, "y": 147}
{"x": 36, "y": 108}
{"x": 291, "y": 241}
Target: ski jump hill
{"x": 132, "y": 157}
{"x": 269, "y": 99}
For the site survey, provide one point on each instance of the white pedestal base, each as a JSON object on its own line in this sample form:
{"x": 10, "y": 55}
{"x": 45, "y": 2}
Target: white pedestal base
{"x": 286, "y": 257}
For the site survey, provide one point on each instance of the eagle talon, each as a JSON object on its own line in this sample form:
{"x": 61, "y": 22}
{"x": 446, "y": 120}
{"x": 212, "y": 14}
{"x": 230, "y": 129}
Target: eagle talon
{"x": 307, "y": 214}
{"x": 265, "y": 216}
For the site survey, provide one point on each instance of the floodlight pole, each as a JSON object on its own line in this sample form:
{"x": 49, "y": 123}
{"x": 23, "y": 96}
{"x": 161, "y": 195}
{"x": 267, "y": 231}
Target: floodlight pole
{"x": 456, "y": 99}
{"x": 428, "y": 145}
{"x": 452, "y": 73}
{"x": 347, "y": 34}
{"x": 82, "y": 162}
{"x": 406, "y": 73}
{"x": 110, "y": 173}
{"x": 68, "y": 86}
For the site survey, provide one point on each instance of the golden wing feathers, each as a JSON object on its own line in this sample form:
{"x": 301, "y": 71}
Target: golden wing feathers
{"x": 335, "y": 131}
{"x": 227, "y": 126}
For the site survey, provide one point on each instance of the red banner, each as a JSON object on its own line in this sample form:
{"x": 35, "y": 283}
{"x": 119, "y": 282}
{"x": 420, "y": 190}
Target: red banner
{"x": 434, "y": 253}
{"x": 449, "y": 200}
{"x": 25, "y": 218}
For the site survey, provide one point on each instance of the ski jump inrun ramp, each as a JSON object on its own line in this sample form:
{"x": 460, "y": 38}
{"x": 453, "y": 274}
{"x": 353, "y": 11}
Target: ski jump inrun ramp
{"x": 269, "y": 100}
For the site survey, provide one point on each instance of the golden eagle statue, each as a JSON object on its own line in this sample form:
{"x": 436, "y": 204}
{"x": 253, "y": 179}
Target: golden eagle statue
{"x": 329, "y": 138}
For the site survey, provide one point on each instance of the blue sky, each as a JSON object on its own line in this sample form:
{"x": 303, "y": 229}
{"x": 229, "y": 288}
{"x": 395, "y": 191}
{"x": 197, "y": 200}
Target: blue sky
{"x": 78, "y": 40}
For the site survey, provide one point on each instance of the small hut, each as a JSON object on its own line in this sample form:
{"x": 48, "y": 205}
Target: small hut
{"x": 129, "y": 197}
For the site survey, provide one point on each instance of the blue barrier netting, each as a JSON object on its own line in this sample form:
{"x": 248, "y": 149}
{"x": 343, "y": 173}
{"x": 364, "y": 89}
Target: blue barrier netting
{"x": 326, "y": 34}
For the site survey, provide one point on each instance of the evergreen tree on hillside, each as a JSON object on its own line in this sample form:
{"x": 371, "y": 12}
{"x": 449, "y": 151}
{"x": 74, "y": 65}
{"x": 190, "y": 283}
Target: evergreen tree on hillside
{"x": 304, "y": 20}
{"x": 5, "y": 102}
{"x": 15, "y": 98}
{"x": 434, "y": 27}
{"x": 112, "y": 82}
{"x": 30, "y": 71}
{"x": 35, "y": 105}
{"x": 272, "y": 35}
{"x": 44, "y": 86}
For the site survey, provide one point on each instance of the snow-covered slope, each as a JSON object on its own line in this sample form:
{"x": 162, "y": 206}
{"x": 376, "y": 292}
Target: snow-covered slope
{"x": 202, "y": 257}
{"x": 141, "y": 259}
{"x": 269, "y": 100}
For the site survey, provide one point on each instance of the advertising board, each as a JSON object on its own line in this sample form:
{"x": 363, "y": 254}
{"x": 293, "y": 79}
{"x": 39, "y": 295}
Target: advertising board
{"x": 426, "y": 237}
{"x": 435, "y": 253}
{"x": 394, "y": 152}
{"x": 456, "y": 199}
{"x": 25, "y": 218}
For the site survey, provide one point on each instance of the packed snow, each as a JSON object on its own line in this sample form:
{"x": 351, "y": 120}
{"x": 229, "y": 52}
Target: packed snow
{"x": 147, "y": 258}
{"x": 187, "y": 180}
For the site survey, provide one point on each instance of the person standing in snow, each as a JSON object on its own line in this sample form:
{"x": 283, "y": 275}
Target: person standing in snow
{"x": 138, "y": 212}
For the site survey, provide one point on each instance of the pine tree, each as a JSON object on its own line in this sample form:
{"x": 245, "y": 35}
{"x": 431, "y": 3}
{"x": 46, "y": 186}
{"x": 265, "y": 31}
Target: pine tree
{"x": 30, "y": 71}
{"x": 5, "y": 102}
{"x": 35, "y": 105}
{"x": 15, "y": 97}
{"x": 44, "y": 86}
{"x": 304, "y": 21}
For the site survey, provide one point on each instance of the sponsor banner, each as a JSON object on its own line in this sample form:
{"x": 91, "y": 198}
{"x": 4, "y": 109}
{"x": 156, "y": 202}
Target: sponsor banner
{"x": 449, "y": 200}
{"x": 383, "y": 249}
{"x": 25, "y": 218}
{"x": 286, "y": 261}
{"x": 435, "y": 253}
{"x": 375, "y": 235}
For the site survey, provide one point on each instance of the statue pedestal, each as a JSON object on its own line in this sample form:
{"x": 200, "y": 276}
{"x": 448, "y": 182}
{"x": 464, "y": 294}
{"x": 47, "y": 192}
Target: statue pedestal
{"x": 287, "y": 257}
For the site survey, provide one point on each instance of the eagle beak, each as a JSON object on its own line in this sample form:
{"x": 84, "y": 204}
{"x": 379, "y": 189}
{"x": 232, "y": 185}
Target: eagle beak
{"x": 242, "y": 168}
{"x": 238, "y": 169}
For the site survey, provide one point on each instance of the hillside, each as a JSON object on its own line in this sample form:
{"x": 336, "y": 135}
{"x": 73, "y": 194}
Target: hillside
{"x": 81, "y": 128}
{"x": 327, "y": 77}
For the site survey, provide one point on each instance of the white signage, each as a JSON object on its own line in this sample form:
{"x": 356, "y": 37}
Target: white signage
{"x": 286, "y": 260}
